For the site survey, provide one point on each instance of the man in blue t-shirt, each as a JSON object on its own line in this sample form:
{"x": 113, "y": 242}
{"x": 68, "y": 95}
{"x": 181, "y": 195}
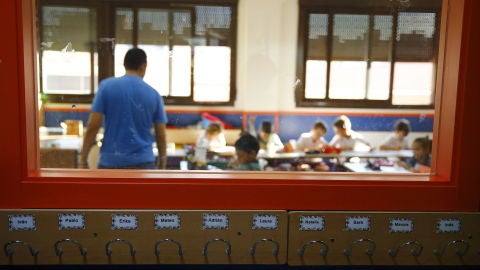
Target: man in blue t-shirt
{"x": 129, "y": 108}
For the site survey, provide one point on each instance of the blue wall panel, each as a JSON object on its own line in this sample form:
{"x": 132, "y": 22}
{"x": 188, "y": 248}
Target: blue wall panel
{"x": 290, "y": 125}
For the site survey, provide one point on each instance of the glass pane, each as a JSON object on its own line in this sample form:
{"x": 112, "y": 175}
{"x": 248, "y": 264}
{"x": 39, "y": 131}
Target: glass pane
{"x": 380, "y": 55}
{"x": 348, "y": 79}
{"x": 316, "y": 79}
{"x": 68, "y": 50}
{"x": 123, "y": 38}
{"x": 212, "y": 26}
{"x": 415, "y": 36}
{"x": 414, "y": 74}
{"x": 349, "y": 56}
{"x": 379, "y": 81}
{"x": 316, "y": 66}
{"x": 212, "y": 74}
{"x": 181, "y": 71}
{"x": 413, "y": 83}
{"x": 153, "y": 37}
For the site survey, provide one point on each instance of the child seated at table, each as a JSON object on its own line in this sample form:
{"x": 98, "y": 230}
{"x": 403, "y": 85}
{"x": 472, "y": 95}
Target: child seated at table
{"x": 267, "y": 139}
{"x": 421, "y": 160}
{"x": 246, "y": 149}
{"x": 212, "y": 138}
{"x": 398, "y": 140}
{"x": 345, "y": 138}
{"x": 313, "y": 140}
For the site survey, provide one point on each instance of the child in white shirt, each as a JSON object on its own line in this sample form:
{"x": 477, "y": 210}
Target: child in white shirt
{"x": 397, "y": 140}
{"x": 345, "y": 138}
{"x": 313, "y": 140}
{"x": 212, "y": 138}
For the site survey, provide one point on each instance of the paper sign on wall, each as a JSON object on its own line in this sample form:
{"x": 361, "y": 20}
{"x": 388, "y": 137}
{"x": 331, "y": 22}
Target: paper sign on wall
{"x": 72, "y": 221}
{"x": 265, "y": 222}
{"x": 124, "y": 222}
{"x": 449, "y": 225}
{"x": 312, "y": 223}
{"x": 215, "y": 221}
{"x": 400, "y": 225}
{"x": 167, "y": 221}
{"x": 22, "y": 223}
{"x": 357, "y": 223}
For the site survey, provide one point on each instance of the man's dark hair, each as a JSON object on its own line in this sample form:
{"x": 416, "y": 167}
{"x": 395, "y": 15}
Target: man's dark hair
{"x": 134, "y": 59}
{"x": 320, "y": 124}
{"x": 247, "y": 143}
{"x": 402, "y": 125}
{"x": 266, "y": 127}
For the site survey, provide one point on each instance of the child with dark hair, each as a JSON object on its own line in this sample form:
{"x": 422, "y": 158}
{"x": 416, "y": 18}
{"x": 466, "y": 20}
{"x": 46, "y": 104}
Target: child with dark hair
{"x": 246, "y": 148}
{"x": 313, "y": 140}
{"x": 267, "y": 139}
{"x": 421, "y": 160}
{"x": 398, "y": 140}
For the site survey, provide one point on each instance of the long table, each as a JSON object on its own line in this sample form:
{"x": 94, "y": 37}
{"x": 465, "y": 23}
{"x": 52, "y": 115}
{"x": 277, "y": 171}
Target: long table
{"x": 363, "y": 168}
{"x": 343, "y": 154}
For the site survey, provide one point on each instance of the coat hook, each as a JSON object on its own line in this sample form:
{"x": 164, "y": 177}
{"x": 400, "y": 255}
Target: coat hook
{"x": 323, "y": 251}
{"x": 275, "y": 250}
{"x": 369, "y": 252}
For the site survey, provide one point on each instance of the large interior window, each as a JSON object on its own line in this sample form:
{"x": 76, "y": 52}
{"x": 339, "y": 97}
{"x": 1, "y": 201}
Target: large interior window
{"x": 369, "y": 54}
{"x": 386, "y": 49}
{"x": 190, "y": 48}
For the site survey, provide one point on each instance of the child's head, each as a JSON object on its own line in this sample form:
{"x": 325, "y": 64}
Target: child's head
{"x": 246, "y": 148}
{"x": 401, "y": 128}
{"x": 342, "y": 126}
{"x": 213, "y": 130}
{"x": 319, "y": 129}
{"x": 266, "y": 127}
{"x": 265, "y": 130}
{"x": 421, "y": 148}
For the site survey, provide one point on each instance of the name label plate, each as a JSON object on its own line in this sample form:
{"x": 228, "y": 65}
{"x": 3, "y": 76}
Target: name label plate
{"x": 265, "y": 222}
{"x": 22, "y": 223}
{"x": 400, "y": 225}
{"x": 312, "y": 223}
{"x": 215, "y": 221}
{"x": 72, "y": 221}
{"x": 357, "y": 223}
{"x": 167, "y": 221}
{"x": 449, "y": 225}
{"x": 124, "y": 222}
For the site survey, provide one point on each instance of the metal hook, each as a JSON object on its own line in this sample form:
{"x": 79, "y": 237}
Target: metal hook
{"x": 416, "y": 251}
{"x": 323, "y": 251}
{"x": 166, "y": 240}
{"x": 369, "y": 252}
{"x": 59, "y": 251}
{"x": 459, "y": 253}
{"x": 108, "y": 250}
{"x": 228, "y": 250}
{"x": 9, "y": 252}
{"x": 275, "y": 250}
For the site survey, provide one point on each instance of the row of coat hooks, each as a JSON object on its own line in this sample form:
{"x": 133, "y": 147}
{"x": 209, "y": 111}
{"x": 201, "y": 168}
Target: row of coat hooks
{"x": 416, "y": 248}
{"x": 10, "y": 252}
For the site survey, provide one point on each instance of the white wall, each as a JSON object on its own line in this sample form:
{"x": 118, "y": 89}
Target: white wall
{"x": 267, "y": 37}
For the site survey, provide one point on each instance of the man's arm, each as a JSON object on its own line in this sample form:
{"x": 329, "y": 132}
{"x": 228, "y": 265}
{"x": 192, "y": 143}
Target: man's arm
{"x": 161, "y": 139}
{"x": 94, "y": 123}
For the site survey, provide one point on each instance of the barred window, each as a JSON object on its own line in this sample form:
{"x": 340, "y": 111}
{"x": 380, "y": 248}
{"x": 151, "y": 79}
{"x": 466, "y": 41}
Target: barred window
{"x": 190, "y": 47}
{"x": 368, "y": 53}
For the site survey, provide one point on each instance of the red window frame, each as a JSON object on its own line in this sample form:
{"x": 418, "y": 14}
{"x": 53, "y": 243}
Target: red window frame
{"x": 455, "y": 187}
